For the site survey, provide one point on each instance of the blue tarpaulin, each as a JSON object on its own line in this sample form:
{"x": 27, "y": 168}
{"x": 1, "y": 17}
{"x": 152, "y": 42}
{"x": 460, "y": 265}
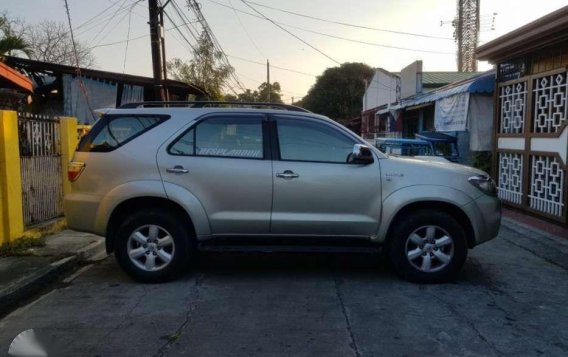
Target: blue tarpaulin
{"x": 483, "y": 83}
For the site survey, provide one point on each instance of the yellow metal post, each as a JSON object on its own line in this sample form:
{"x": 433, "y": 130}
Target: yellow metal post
{"x": 11, "y": 213}
{"x": 69, "y": 141}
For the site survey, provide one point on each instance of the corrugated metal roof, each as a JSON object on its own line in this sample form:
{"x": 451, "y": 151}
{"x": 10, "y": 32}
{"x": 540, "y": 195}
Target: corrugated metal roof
{"x": 446, "y": 77}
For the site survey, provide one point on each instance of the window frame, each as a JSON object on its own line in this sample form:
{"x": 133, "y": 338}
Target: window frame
{"x": 276, "y": 145}
{"x": 103, "y": 124}
{"x": 266, "y": 154}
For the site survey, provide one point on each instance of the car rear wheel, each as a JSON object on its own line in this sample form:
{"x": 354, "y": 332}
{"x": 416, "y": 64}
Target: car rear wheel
{"x": 428, "y": 247}
{"x": 152, "y": 246}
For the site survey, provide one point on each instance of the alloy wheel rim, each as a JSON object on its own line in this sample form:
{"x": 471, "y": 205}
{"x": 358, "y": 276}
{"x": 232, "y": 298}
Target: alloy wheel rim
{"x": 429, "y": 248}
{"x": 150, "y": 247}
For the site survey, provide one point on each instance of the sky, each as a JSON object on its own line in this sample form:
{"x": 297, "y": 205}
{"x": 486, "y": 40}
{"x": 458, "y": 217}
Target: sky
{"x": 247, "y": 39}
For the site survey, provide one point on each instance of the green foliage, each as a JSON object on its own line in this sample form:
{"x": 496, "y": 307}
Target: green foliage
{"x": 20, "y": 246}
{"x": 259, "y": 95}
{"x": 206, "y": 69}
{"x": 482, "y": 160}
{"x": 10, "y": 40}
{"x": 338, "y": 92}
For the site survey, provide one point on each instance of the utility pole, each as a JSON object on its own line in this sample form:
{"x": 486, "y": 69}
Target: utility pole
{"x": 268, "y": 79}
{"x": 156, "y": 22}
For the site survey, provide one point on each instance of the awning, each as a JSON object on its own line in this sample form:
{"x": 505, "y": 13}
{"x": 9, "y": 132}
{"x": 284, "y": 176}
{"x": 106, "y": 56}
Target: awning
{"x": 12, "y": 79}
{"x": 483, "y": 83}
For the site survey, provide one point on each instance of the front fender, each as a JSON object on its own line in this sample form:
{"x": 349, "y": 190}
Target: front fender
{"x": 397, "y": 200}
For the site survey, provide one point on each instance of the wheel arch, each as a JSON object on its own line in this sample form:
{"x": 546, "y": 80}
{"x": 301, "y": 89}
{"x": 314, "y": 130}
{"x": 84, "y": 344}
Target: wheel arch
{"x": 449, "y": 208}
{"x": 126, "y": 207}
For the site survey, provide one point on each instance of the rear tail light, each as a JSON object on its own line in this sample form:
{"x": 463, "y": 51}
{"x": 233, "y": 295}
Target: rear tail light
{"x": 74, "y": 170}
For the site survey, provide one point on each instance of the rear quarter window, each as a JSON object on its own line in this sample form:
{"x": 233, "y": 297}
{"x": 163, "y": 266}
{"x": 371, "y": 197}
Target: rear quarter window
{"x": 113, "y": 131}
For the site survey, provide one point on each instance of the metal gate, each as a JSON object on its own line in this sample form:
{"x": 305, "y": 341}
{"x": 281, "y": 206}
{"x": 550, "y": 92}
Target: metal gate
{"x": 40, "y": 152}
{"x": 532, "y": 142}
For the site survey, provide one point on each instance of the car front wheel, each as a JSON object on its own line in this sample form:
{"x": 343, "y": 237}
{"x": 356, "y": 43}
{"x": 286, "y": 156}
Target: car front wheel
{"x": 428, "y": 247}
{"x": 152, "y": 246}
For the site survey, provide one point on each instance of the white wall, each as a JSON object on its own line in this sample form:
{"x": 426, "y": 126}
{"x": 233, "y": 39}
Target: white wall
{"x": 411, "y": 79}
{"x": 381, "y": 90}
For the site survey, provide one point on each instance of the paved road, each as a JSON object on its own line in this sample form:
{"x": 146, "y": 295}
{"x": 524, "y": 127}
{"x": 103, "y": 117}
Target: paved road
{"x": 508, "y": 302}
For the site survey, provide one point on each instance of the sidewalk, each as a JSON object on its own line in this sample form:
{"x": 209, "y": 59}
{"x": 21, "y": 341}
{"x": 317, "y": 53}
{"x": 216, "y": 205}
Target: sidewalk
{"x": 544, "y": 239}
{"x": 23, "y": 276}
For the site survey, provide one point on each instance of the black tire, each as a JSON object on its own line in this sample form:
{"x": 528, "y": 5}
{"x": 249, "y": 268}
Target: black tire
{"x": 180, "y": 254}
{"x": 400, "y": 241}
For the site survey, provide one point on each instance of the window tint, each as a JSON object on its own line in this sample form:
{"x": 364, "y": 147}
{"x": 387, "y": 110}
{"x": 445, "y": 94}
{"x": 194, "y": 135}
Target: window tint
{"x": 223, "y": 137}
{"x": 114, "y": 131}
{"x": 184, "y": 145}
{"x": 301, "y": 140}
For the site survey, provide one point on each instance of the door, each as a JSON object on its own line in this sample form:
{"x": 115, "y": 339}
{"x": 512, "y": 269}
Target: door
{"x": 223, "y": 161}
{"x": 316, "y": 192}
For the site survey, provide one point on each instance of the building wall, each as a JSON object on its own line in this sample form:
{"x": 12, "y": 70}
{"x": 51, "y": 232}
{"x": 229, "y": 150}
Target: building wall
{"x": 381, "y": 90}
{"x": 411, "y": 79}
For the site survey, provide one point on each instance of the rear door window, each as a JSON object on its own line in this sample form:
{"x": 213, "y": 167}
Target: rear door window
{"x": 233, "y": 137}
{"x": 113, "y": 131}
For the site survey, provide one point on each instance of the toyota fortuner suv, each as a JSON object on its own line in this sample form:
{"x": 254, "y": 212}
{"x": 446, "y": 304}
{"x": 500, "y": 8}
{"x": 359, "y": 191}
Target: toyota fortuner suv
{"x": 162, "y": 181}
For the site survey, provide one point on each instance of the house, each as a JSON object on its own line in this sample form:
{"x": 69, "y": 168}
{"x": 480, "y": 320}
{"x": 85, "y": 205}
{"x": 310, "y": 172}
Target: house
{"x": 60, "y": 90}
{"x": 14, "y": 88}
{"x": 530, "y": 120}
{"x": 388, "y": 89}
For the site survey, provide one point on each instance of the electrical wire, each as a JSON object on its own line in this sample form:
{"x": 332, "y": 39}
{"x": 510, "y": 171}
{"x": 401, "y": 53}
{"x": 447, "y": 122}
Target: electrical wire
{"x": 273, "y": 66}
{"x": 292, "y": 34}
{"x": 78, "y": 69}
{"x": 127, "y": 42}
{"x": 245, "y": 30}
{"x": 106, "y": 25}
{"x": 192, "y": 5}
{"x": 334, "y": 36}
{"x": 348, "y": 24}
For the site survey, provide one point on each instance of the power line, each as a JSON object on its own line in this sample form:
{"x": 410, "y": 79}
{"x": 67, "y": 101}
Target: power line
{"x": 273, "y": 66}
{"x": 106, "y": 25}
{"x": 348, "y": 24}
{"x": 78, "y": 69}
{"x": 180, "y": 33}
{"x": 192, "y": 5}
{"x": 94, "y": 24}
{"x": 334, "y": 36}
{"x": 245, "y": 30}
{"x": 127, "y": 42}
{"x": 291, "y": 34}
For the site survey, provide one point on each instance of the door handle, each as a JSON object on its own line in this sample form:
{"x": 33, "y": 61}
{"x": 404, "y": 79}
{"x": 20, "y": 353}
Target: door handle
{"x": 288, "y": 174}
{"x": 177, "y": 170}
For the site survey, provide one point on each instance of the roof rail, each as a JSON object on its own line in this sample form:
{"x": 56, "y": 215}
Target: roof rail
{"x": 205, "y": 104}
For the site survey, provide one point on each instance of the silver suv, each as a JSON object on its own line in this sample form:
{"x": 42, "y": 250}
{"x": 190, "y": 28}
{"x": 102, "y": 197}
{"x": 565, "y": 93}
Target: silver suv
{"x": 163, "y": 181}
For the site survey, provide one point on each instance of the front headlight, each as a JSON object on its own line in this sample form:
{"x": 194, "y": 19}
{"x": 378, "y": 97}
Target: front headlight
{"x": 484, "y": 183}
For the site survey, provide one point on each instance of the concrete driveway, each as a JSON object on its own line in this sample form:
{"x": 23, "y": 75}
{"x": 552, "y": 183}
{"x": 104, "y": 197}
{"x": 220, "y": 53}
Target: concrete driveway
{"x": 508, "y": 302}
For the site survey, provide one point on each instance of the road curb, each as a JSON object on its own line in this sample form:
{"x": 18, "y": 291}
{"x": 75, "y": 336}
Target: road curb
{"x": 34, "y": 283}
{"x": 39, "y": 280}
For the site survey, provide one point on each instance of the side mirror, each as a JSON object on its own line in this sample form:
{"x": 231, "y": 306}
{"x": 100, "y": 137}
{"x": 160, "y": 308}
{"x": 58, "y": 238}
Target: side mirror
{"x": 361, "y": 155}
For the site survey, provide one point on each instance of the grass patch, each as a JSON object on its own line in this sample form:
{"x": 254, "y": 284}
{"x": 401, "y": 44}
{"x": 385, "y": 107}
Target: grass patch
{"x": 21, "y": 246}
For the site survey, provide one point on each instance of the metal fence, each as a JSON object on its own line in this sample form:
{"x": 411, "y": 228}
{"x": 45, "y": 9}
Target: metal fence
{"x": 40, "y": 152}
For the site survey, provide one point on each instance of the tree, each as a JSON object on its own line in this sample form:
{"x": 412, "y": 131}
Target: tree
{"x": 51, "y": 42}
{"x": 338, "y": 92}
{"x": 275, "y": 96}
{"x": 11, "y": 40}
{"x": 206, "y": 69}
{"x": 259, "y": 95}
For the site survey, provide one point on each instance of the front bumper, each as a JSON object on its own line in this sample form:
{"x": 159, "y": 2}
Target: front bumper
{"x": 485, "y": 216}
